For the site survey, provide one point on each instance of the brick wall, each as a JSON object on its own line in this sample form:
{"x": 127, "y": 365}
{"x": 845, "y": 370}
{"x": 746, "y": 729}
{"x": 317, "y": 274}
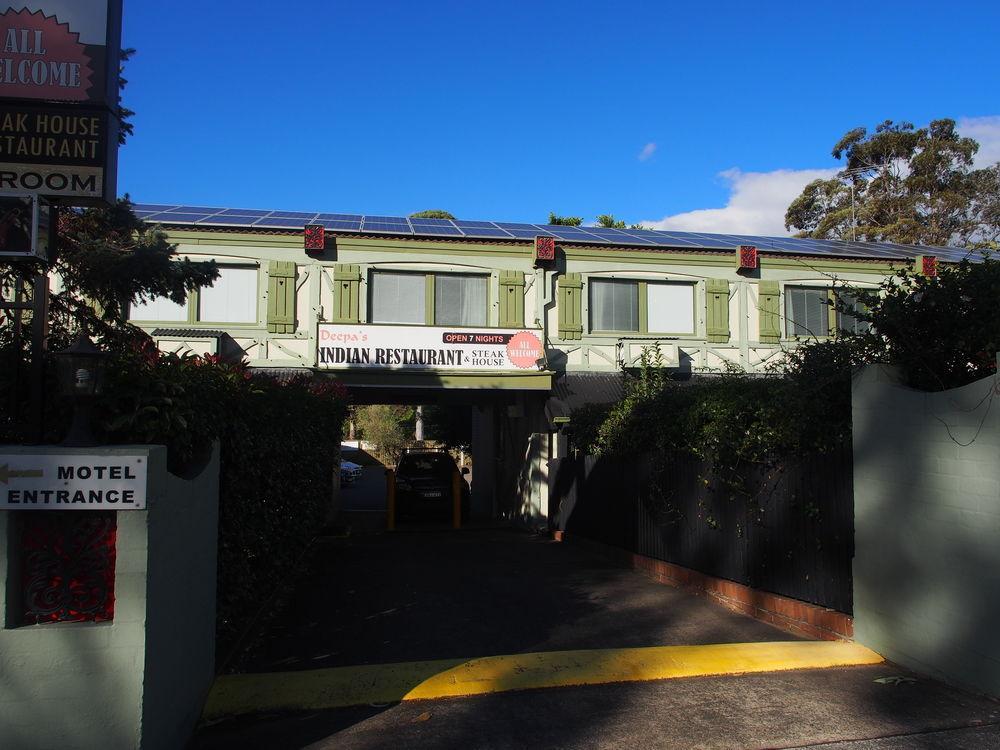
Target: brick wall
{"x": 927, "y": 527}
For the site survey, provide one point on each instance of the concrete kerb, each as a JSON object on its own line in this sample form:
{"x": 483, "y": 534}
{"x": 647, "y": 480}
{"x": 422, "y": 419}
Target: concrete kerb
{"x": 235, "y": 695}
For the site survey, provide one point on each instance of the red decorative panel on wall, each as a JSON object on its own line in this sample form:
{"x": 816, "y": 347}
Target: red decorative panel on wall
{"x": 67, "y": 566}
{"x": 545, "y": 248}
{"x": 315, "y": 237}
{"x": 746, "y": 257}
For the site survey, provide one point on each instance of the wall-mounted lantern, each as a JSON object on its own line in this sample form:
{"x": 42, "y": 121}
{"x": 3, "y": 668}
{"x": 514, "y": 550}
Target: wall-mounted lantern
{"x": 81, "y": 376}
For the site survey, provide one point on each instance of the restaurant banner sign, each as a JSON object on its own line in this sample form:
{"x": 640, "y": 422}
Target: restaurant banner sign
{"x": 59, "y": 98}
{"x": 387, "y": 347}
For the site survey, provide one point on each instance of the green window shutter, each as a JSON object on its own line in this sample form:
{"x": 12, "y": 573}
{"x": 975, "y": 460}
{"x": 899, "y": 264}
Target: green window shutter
{"x": 769, "y": 308}
{"x": 717, "y": 310}
{"x": 570, "y": 306}
{"x": 511, "y": 299}
{"x": 281, "y": 296}
{"x": 346, "y": 291}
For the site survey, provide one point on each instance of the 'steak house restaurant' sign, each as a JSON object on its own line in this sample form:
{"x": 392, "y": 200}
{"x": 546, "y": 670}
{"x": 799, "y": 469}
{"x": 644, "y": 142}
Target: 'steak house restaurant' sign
{"x": 59, "y": 98}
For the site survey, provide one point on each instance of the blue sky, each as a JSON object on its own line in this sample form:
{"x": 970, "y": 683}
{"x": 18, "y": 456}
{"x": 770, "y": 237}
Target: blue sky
{"x": 692, "y": 115}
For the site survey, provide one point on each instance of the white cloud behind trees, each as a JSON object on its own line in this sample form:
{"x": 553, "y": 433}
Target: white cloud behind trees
{"x": 758, "y": 200}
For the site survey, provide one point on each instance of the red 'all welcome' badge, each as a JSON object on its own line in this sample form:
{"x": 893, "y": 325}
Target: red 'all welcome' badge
{"x": 524, "y": 349}
{"x": 41, "y": 58}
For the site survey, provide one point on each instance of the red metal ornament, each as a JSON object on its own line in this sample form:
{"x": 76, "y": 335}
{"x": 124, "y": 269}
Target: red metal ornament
{"x": 545, "y": 248}
{"x": 315, "y": 238}
{"x": 67, "y": 566}
{"x": 746, "y": 257}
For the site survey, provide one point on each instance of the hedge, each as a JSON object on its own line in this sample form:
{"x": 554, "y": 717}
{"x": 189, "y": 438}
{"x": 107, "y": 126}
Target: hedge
{"x": 278, "y": 441}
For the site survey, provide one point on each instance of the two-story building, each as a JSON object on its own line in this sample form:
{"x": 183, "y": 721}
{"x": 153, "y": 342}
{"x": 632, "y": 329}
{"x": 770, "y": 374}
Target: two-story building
{"x": 523, "y": 321}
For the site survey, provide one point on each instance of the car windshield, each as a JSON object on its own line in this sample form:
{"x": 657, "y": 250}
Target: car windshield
{"x": 436, "y": 464}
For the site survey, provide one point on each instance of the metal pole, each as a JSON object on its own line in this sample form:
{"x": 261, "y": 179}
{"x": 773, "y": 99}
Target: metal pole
{"x": 39, "y": 333}
{"x": 456, "y": 500}
{"x": 390, "y": 499}
{"x": 17, "y": 364}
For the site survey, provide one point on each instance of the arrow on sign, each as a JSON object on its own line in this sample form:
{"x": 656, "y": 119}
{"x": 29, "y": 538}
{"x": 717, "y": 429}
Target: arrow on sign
{"x": 8, "y": 473}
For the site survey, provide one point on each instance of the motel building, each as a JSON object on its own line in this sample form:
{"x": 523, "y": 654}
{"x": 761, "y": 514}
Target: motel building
{"x": 525, "y": 322}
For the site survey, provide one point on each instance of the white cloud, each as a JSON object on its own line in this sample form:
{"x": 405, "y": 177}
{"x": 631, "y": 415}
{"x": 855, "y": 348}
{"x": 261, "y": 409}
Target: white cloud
{"x": 758, "y": 200}
{"x": 986, "y": 130}
{"x": 647, "y": 151}
{"x": 756, "y": 205}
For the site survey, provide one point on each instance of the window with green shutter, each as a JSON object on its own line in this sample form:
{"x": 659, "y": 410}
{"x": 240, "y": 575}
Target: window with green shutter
{"x": 769, "y": 311}
{"x": 717, "y": 310}
{"x": 281, "y": 296}
{"x": 570, "y": 306}
{"x": 346, "y": 291}
{"x": 511, "y": 299}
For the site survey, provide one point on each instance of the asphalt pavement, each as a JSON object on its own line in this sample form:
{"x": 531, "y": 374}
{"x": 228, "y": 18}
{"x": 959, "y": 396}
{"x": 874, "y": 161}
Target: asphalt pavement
{"x": 382, "y": 599}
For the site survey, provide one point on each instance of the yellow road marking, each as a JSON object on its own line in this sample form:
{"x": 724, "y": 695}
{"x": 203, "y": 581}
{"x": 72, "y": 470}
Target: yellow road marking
{"x": 232, "y": 695}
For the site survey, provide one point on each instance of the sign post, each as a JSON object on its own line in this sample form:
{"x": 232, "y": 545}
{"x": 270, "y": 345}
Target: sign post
{"x": 59, "y": 124}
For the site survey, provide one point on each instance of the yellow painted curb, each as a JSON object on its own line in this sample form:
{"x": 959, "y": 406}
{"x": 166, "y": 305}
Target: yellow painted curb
{"x": 448, "y": 678}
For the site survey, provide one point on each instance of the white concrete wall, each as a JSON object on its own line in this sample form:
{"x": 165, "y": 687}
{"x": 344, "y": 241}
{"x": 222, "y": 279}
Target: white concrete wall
{"x": 138, "y": 681}
{"x": 927, "y": 520}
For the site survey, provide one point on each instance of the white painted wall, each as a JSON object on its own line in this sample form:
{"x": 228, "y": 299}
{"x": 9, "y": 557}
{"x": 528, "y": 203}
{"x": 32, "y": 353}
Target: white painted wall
{"x": 140, "y": 680}
{"x": 927, "y": 520}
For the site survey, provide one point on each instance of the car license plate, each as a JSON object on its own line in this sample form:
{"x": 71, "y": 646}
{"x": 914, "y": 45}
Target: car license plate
{"x": 431, "y": 494}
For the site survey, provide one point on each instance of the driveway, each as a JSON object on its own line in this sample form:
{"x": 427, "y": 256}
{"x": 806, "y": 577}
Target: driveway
{"x": 408, "y": 597}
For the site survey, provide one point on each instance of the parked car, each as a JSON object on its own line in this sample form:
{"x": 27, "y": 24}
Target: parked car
{"x": 349, "y": 472}
{"x": 424, "y": 481}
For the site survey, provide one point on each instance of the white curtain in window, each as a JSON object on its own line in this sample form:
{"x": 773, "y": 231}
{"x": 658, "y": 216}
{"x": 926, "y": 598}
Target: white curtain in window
{"x": 459, "y": 300}
{"x": 231, "y": 299}
{"x": 806, "y": 311}
{"x": 614, "y": 305}
{"x": 160, "y": 309}
{"x": 398, "y": 297}
{"x": 847, "y": 321}
{"x": 670, "y": 308}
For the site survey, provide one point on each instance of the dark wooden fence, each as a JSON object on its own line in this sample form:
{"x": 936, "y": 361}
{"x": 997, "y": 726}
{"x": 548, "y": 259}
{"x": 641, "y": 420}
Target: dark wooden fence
{"x": 789, "y": 531}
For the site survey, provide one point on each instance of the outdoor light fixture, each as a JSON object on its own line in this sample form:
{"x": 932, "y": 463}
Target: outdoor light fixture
{"x": 81, "y": 372}
{"x": 545, "y": 249}
{"x": 746, "y": 258}
{"x": 315, "y": 238}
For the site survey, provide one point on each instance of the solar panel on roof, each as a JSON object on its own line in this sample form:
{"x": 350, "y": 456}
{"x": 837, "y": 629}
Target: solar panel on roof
{"x": 244, "y": 212}
{"x": 569, "y": 234}
{"x": 526, "y": 234}
{"x": 474, "y": 232}
{"x": 339, "y": 217}
{"x": 272, "y": 223}
{"x": 475, "y": 224}
{"x": 430, "y": 222}
{"x": 516, "y": 225}
{"x": 237, "y": 217}
{"x": 292, "y": 215}
{"x": 192, "y": 210}
{"x": 437, "y": 231}
{"x": 384, "y": 226}
{"x": 344, "y": 226}
{"x": 714, "y": 243}
{"x": 239, "y": 221}
{"x": 177, "y": 218}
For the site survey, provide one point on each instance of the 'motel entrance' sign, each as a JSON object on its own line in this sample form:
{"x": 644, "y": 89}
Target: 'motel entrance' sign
{"x": 59, "y": 99}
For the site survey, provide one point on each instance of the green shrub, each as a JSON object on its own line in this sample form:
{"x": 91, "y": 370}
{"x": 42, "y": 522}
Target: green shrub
{"x": 278, "y": 443}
